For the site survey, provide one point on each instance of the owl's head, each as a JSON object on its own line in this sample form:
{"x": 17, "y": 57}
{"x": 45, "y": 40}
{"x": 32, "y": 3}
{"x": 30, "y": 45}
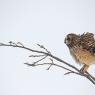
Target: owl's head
{"x": 72, "y": 40}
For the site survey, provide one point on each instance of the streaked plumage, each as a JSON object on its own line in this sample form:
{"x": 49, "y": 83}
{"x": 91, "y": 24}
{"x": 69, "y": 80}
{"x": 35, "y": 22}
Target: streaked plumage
{"x": 82, "y": 48}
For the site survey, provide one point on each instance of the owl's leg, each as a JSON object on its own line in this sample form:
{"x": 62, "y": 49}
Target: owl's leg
{"x": 84, "y": 68}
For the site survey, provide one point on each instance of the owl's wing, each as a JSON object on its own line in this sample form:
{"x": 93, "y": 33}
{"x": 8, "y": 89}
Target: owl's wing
{"x": 88, "y": 42}
{"x": 91, "y": 49}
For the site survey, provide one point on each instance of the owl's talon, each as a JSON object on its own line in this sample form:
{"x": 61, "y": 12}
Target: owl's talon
{"x": 82, "y": 70}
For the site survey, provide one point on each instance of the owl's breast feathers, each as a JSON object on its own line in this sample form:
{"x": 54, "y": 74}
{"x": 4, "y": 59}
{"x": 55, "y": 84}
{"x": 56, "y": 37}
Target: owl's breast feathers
{"x": 82, "y": 56}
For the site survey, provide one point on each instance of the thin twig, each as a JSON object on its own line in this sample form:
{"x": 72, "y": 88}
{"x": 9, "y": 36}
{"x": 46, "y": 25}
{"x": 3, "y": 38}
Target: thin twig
{"x": 68, "y": 73}
{"x": 36, "y": 55}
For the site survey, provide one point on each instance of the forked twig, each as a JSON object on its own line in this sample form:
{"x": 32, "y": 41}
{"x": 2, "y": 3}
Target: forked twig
{"x": 50, "y": 64}
{"x": 41, "y": 46}
{"x": 40, "y": 60}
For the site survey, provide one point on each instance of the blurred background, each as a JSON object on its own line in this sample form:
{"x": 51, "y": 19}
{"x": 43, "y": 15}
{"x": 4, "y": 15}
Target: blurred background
{"x": 46, "y": 22}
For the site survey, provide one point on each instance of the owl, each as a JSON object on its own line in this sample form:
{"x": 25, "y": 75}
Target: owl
{"x": 82, "y": 48}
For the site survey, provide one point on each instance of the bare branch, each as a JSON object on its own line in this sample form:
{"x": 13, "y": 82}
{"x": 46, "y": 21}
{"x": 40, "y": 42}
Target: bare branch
{"x": 90, "y": 75}
{"x": 44, "y": 55}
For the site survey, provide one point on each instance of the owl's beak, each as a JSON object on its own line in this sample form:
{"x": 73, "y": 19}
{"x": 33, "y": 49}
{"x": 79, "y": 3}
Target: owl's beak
{"x": 66, "y": 41}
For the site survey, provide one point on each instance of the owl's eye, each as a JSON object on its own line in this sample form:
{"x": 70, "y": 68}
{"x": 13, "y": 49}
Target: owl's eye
{"x": 68, "y": 39}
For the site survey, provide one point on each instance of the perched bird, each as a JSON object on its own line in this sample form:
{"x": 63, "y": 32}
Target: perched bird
{"x": 82, "y": 48}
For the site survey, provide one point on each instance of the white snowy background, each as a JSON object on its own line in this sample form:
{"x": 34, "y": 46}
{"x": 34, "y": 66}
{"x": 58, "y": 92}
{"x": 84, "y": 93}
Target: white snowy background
{"x": 46, "y": 22}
